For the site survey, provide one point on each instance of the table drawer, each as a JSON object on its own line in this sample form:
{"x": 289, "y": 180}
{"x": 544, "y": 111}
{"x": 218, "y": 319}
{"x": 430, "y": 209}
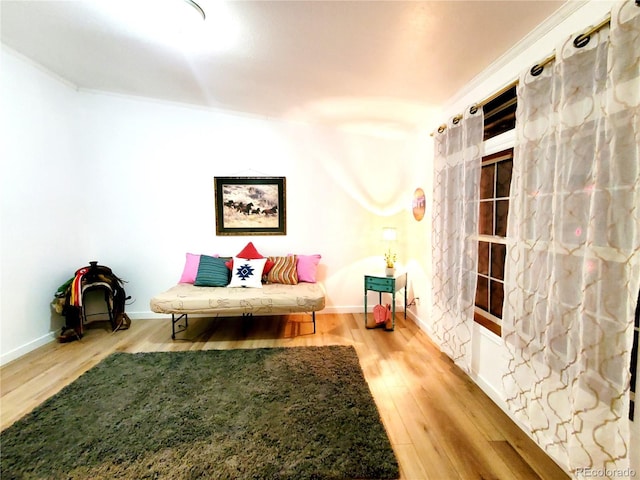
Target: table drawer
{"x": 379, "y": 284}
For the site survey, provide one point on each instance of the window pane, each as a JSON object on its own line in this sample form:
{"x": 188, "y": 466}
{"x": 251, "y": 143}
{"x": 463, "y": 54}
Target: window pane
{"x": 486, "y": 218}
{"x": 486, "y": 181}
{"x": 483, "y": 258}
{"x": 482, "y": 294}
{"x": 498, "y": 252}
{"x": 503, "y": 180}
{"x": 495, "y": 185}
{"x": 497, "y": 297}
{"x": 500, "y": 114}
{"x": 502, "y": 209}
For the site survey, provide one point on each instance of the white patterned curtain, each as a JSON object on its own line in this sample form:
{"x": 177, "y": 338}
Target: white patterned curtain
{"x": 573, "y": 267}
{"x": 457, "y": 164}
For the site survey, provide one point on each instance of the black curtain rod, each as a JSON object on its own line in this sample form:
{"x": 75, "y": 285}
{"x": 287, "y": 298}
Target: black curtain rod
{"x": 580, "y": 41}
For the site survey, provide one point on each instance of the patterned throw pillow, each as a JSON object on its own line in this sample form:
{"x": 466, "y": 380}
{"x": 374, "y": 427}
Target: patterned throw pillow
{"x": 283, "y": 271}
{"x": 247, "y": 272}
{"x": 212, "y": 272}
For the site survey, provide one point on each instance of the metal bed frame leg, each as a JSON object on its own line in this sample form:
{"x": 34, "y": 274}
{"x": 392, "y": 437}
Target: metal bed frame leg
{"x": 175, "y": 320}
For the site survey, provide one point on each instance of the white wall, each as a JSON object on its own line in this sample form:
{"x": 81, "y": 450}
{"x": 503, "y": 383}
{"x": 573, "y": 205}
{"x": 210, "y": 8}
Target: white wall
{"x": 42, "y": 208}
{"x": 129, "y": 182}
{"x": 151, "y": 166}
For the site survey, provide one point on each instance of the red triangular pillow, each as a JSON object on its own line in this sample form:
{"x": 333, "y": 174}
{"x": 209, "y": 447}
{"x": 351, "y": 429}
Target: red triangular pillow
{"x": 249, "y": 252}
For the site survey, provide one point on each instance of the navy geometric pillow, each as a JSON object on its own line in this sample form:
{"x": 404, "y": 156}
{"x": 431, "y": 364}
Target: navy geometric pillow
{"x": 247, "y": 272}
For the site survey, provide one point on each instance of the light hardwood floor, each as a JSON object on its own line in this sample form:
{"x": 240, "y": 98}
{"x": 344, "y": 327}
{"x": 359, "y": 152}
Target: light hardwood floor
{"x": 441, "y": 425}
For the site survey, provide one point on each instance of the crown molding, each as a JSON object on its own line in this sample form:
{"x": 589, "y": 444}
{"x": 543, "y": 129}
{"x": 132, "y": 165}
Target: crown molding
{"x": 538, "y": 33}
{"x": 41, "y": 68}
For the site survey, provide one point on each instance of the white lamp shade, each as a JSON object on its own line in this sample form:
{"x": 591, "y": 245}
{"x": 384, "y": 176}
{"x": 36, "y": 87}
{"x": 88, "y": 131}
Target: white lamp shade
{"x": 389, "y": 234}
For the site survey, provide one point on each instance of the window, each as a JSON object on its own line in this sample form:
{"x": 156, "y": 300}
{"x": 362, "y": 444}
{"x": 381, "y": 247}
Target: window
{"x": 500, "y": 114}
{"x": 495, "y": 184}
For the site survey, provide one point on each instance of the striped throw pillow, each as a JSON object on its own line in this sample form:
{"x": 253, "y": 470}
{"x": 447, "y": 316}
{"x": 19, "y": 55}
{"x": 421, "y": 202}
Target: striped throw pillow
{"x": 283, "y": 270}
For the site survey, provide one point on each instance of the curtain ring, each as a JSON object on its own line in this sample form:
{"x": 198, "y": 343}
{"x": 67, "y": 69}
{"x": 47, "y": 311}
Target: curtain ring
{"x": 536, "y": 70}
{"x": 581, "y": 40}
{"x": 442, "y": 128}
{"x": 473, "y": 110}
{"x": 456, "y": 119}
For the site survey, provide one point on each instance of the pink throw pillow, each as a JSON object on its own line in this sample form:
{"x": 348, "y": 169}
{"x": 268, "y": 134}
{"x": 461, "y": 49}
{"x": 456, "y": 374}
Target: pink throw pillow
{"x": 190, "y": 268}
{"x": 307, "y": 267}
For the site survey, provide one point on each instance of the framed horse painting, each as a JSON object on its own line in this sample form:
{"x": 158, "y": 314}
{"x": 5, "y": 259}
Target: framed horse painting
{"x": 250, "y": 205}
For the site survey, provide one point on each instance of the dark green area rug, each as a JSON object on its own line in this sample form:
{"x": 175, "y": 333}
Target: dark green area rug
{"x": 274, "y": 413}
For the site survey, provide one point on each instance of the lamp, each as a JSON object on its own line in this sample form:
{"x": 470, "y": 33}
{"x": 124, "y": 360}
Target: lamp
{"x": 389, "y": 236}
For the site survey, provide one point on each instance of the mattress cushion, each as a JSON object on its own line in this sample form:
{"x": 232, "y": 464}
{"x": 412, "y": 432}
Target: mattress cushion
{"x": 273, "y": 298}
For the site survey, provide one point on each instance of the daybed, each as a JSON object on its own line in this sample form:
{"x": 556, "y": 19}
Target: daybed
{"x": 271, "y": 299}
{"x": 225, "y": 287}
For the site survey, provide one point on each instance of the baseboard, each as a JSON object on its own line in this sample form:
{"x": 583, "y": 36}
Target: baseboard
{"x": 491, "y": 392}
{"x": 498, "y": 400}
{"x": 148, "y": 315}
{"x": 26, "y": 348}
{"x": 424, "y": 326}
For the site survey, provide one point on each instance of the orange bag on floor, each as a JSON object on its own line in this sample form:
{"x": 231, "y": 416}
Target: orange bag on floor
{"x": 380, "y": 314}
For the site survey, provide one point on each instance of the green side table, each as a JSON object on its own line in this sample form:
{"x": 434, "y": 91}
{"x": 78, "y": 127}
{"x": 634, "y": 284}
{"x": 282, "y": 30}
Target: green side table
{"x": 386, "y": 284}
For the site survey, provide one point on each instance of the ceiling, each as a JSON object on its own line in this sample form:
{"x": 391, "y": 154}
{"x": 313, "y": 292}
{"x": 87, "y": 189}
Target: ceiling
{"x": 379, "y": 61}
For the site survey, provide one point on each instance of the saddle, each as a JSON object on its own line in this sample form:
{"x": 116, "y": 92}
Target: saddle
{"x": 69, "y": 300}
